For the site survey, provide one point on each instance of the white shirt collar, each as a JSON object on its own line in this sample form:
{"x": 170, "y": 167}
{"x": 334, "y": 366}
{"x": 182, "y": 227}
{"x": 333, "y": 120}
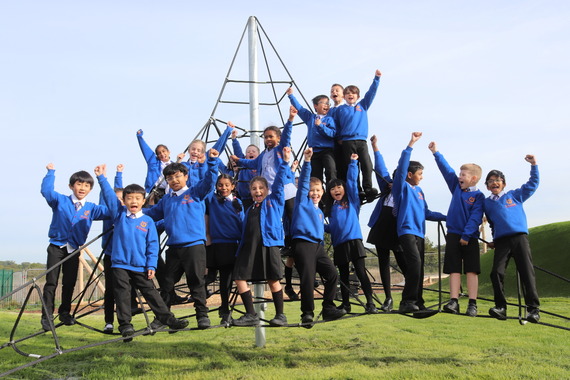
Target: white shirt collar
{"x": 75, "y": 200}
{"x": 180, "y": 192}
{"x": 137, "y": 215}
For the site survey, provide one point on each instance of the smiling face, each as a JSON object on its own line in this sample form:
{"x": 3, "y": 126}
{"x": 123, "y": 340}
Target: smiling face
{"x": 224, "y": 187}
{"x": 133, "y": 202}
{"x": 337, "y": 94}
{"x": 466, "y": 180}
{"x": 258, "y": 190}
{"x": 177, "y": 181}
{"x": 80, "y": 189}
{"x": 351, "y": 97}
{"x": 316, "y": 191}
{"x": 337, "y": 192}
{"x": 414, "y": 179}
{"x": 323, "y": 106}
{"x": 162, "y": 153}
{"x": 251, "y": 152}
{"x": 495, "y": 185}
{"x": 196, "y": 151}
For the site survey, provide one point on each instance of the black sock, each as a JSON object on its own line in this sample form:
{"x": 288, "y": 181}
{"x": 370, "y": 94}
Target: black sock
{"x": 247, "y": 300}
{"x": 472, "y": 301}
{"x": 278, "y": 301}
{"x": 454, "y": 299}
{"x": 288, "y": 276}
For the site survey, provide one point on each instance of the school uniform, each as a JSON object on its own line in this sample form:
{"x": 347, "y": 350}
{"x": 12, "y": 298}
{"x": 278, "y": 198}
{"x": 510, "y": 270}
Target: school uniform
{"x": 463, "y": 219}
{"x": 321, "y": 139}
{"x": 508, "y": 223}
{"x": 308, "y": 231}
{"x": 412, "y": 212}
{"x": 346, "y": 236}
{"x": 225, "y": 221}
{"x": 135, "y": 252}
{"x": 244, "y": 177}
{"x": 183, "y": 213}
{"x": 154, "y": 167}
{"x": 69, "y": 227}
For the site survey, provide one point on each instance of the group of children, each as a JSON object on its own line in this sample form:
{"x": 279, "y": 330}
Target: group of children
{"x": 237, "y": 222}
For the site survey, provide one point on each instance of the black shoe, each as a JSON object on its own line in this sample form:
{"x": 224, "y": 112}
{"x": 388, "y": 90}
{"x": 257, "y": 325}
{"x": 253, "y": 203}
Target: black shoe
{"x": 333, "y": 313}
{"x": 177, "y": 324}
{"x": 362, "y": 197}
{"x": 451, "y": 307}
{"x": 307, "y": 320}
{"x": 45, "y": 324}
{"x": 498, "y": 312}
{"x": 471, "y": 310}
{"x": 387, "y": 305}
{"x": 316, "y": 284}
{"x": 127, "y": 331}
{"x": 408, "y": 307}
{"x": 291, "y": 293}
{"x": 346, "y": 307}
{"x": 108, "y": 328}
{"x": 67, "y": 319}
{"x": 370, "y": 308}
{"x": 246, "y": 320}
{"x": 279, "y": 320}
{"x": 533, "y": 316}
{"x": 371, "y": 194}
{"x": 203, "y": 322}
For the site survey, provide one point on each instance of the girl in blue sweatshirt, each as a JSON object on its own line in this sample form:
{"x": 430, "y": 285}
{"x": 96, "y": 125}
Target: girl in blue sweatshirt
{"x": 224, "y": 223}
{"x": 346, "y": 235}
{"x": 258, "y": 256}
{"x": 156, "y": 161}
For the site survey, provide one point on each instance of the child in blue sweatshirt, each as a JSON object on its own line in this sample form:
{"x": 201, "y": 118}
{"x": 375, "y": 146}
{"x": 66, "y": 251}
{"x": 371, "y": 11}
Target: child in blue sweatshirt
{"x": 135, "y": 255}
{"x": 506, "y": 216}
{"x": 412, "y": 211}
{"x": 244, "y": 175}
{"x": 258, "y": 256}
{"x": 183, "y": 211}
{"x": 156, "y": 161}
{"x": 463, "y": 219}
{"x": 224, "y": 215}
{"x": 70, "y": 225}
{"x": 320, "y": 135}
{"x": 342, "y": 210}
{"x": 382, "y": 223}
{"x": 308, "y": 231}
{"x": 352, "y": 131}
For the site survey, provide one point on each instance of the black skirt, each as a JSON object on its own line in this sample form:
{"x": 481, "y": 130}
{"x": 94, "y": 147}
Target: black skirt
{"x": 384, "y": 233}
{"x": 351, "y": 250}
{"x": 255, "y": 262}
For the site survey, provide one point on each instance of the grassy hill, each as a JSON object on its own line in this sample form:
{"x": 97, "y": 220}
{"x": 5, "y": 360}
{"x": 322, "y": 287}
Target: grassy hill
{"x": 550, "y": 245}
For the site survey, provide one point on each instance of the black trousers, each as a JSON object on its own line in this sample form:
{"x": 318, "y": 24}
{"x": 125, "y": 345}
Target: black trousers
{"x": 361, "y": 148}
{"x": 193, "y": 261}
{"x": 413, "y": 247}
{"x": 123, "y": 281}
{"x": 310, "y": 259}
{"x": 109, "y": 297}
{"x": 384, "y": 265}
{"x": 323, "y": 160}
{"x": 69, "y": 277}
{"x": 517, "y": 247}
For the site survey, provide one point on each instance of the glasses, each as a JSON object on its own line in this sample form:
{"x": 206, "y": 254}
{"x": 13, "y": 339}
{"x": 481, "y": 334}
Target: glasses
{"x": 171, "y": 178}
{"x": 492, "y": 181}
{"x": 324, "y": 103}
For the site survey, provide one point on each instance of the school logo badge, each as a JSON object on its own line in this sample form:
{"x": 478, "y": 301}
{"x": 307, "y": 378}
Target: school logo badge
{"x": 357, "y": 108}
{"x": 144, "y": 224}
{"x": 87, "y": 212}
{"x": 186, "y": 197}
{"x": 510, "y": 203}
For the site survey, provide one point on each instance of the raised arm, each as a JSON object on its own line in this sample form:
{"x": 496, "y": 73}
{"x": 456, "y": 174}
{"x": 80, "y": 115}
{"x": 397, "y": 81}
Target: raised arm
{"x": 148, "y": 153}
{"x": 287, "y": 129}
{"x": 445, "y": 169}
{"x": 305, "y": 178}
{"x": 352, "y": 182}
{"x": 366, "y": 102}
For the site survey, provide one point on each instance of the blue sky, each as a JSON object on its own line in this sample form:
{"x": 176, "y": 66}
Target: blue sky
{"x": 488, "y": 81}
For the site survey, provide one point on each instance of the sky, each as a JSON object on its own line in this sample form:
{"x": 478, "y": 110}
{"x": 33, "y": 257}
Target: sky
{"x": 487, "y": 81}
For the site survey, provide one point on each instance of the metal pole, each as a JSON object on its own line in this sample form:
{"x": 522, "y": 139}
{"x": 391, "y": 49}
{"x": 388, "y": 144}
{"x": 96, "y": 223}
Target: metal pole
{"x": 259, "y": 289}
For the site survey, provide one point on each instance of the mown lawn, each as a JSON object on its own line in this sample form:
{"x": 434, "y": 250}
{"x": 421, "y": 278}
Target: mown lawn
{"x": 372, "y": 346}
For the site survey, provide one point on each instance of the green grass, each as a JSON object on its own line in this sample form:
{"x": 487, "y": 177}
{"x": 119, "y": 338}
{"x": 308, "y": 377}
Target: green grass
{"x": 372, "y": 346}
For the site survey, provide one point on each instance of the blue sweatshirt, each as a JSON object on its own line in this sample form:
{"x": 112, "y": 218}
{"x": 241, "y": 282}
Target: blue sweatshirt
{"x": 343, "y": 221}
{"x": 68, "y": 225}
{"x": 184, "y": 214}
{"x": 410, "y": 202}
{"x": 321, "y": 136}
{"x": 308, "y": 220}
{"x": 154, "y": 170}
{"x": 245, "y": 175}
{"x": 506, "y": 215}
{"x": 198, "y": 170}
{"x": 383, "y": 179}
{"x": 224, "y": 221}
{"x": 135, "y": 241}
{"x": 352, "y": 122}
{"x": 272, "y": 233}
{"x": 466, "y": 208}
{"x": 107, "y": 239}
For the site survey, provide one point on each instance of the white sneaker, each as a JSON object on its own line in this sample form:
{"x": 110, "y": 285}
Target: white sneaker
{"x": 108, "y": 328}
